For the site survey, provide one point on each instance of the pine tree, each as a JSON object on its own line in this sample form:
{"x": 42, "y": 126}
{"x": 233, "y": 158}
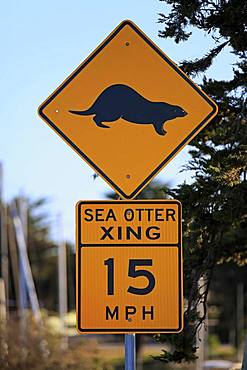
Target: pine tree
{"x": 215, "y": 204}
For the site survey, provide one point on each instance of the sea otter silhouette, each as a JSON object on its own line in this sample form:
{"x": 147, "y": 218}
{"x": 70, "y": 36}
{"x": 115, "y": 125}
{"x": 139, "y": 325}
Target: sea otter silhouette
{"x": 121, "y": 101}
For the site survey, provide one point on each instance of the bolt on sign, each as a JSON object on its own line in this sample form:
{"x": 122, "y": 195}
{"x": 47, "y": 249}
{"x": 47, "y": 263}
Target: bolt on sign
{"x": 127, "y": 110}
{"x": 129, "y": 266}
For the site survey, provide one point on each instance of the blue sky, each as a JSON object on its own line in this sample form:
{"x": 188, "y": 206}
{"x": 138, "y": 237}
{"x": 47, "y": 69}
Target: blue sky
{"x": 41, "y": 43}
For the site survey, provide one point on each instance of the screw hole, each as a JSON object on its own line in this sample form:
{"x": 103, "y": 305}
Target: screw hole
{"x": 127, "y": 43}
{"x": 129, "y": 319}
{"x": 127, "y": 176}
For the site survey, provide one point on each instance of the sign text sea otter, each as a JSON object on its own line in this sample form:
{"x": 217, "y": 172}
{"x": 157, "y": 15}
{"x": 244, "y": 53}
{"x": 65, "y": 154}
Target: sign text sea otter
{"x": 128, "y": 231}
{"x": 129, "y": 214}
{"x": 145, "y": 222}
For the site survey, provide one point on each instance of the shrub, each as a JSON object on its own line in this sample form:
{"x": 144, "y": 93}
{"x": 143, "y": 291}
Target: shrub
{"x": 37, "y": 348}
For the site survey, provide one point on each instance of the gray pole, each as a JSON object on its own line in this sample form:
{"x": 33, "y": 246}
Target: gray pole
{"x": 4, "y": 241}
{"x": 62, "y": 281}
{"x": 130, "y": 351}
{"x": 2, "y": 301}
{"x": 130, "y": 348}
{"x": 23, "y": 215}
{"x": 240, "y": 319}
{"x": 26, "y": 268}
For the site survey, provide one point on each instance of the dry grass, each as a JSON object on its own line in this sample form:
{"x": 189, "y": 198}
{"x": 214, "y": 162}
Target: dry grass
{"x": 36, "y": 349}
{"x": 40, "y": 349}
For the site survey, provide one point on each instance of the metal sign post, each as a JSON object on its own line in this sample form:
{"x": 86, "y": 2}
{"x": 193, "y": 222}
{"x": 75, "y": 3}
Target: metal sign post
{"x": 128, "y": 89}
{"x": 130, "y": 351}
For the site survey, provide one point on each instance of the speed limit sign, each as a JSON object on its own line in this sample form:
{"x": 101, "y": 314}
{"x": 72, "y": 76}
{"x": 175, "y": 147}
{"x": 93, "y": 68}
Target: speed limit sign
{"x": 129, "y": 266}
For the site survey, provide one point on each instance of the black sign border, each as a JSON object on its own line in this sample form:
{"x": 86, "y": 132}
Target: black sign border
{"x": 79, "y": 247}
{"x": 83, "y": 65}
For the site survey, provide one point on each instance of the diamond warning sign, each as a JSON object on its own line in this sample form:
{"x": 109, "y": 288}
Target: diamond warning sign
{"x": 127, "y": 110}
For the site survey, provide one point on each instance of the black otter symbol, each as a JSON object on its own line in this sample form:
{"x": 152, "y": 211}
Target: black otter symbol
{"x": 121, "y": 101}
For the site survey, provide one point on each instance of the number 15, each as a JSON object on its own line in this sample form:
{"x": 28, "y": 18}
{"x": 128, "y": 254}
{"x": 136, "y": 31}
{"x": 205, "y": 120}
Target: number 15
{"x": 133, "y": 273}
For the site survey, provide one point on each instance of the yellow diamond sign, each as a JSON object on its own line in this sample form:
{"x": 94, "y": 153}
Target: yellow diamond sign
{"x": 127, "y": 110}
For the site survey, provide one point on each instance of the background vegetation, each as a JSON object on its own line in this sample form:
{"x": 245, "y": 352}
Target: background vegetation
{"x": 215, "y": 203}
{"x": 214, "y": 212}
